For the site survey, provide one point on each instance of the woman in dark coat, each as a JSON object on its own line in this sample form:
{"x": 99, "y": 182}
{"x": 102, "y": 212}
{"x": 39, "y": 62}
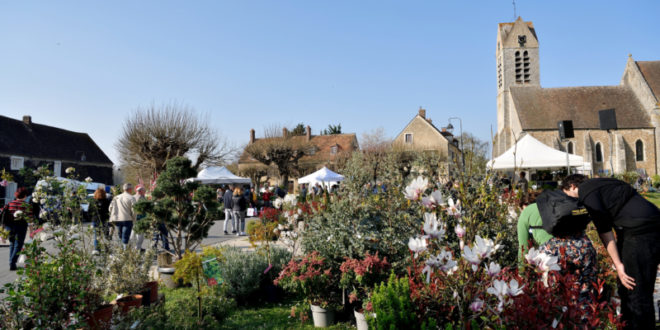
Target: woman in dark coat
{"x": 239, "y": 206}
{"x": 101, "y": 216}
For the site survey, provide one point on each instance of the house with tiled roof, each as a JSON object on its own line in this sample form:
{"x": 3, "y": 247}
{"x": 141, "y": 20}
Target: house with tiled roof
{"x": 524, "y": 107}
{"x": 325, "y": 150}
{"x": 24, "y": 143}
{"x": 420, "y": 134}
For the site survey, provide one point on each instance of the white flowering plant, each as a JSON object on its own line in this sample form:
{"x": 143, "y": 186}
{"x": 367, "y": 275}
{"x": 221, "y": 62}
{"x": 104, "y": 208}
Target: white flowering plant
{"x": 470, "y": 284}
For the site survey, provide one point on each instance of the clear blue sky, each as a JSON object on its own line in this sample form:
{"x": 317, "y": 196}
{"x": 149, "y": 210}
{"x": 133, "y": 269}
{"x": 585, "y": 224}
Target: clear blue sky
{"x": 84, "y": 65}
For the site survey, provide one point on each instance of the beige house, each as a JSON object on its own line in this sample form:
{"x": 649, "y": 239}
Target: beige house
{"x": 524, "y": 107}
{"x": 421, "y": 135}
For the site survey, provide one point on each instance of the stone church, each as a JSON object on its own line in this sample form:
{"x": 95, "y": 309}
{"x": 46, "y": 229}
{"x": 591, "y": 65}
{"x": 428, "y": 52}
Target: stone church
{"x": 524, "y": 107}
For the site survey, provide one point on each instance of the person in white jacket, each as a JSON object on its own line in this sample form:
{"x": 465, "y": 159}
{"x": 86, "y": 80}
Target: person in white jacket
{"x": 122, "y": 214}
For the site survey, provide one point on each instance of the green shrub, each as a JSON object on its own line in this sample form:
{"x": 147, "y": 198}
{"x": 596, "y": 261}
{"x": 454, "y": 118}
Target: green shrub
{"x": 392, "y": 305}
{"x": 243, "y": 272}
{"x": 180, "y": 311}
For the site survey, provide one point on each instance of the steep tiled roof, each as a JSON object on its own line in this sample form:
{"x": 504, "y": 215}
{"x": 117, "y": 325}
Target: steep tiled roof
{"x": 651, "y": 72}
{"x": 41, "y": 141}
{"x": 542, "y": 108}
{"x": 323, "y": 143}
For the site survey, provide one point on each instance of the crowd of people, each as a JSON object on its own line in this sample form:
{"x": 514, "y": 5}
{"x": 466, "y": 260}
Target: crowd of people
{"x": 107, "y": 216}
{"x": 629, "y": 229}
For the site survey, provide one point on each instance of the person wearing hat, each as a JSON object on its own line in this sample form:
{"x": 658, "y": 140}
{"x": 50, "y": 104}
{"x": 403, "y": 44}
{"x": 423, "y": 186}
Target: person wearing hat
{"x": 122, "y": 214}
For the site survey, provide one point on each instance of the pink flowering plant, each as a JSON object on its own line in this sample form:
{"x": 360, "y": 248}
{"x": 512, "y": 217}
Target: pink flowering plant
{"x": 359, "y": 276}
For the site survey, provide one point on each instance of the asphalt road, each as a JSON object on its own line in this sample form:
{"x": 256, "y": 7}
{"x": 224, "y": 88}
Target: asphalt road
{"x": 216, "y": 235}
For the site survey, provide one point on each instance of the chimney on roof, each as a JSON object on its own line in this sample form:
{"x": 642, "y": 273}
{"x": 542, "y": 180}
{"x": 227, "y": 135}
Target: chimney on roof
{"x": 444, "y": 129}
{"x": 27, "y": 120}
{"x": 285, "y": 132}
{"x": 251, "y": 135}
{"x": 309, "y": 132}
{"x": 422, "y": 112}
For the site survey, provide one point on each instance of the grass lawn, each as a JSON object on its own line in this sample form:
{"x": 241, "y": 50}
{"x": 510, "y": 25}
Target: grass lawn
{"x": 274, "y": 316}
{"x": 653, "y": 197}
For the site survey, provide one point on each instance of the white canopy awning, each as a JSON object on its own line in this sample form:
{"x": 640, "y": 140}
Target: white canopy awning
{"x": 322, "y": 175}
{"x": 532, "y": 153}
{"x": 219, "y": 175}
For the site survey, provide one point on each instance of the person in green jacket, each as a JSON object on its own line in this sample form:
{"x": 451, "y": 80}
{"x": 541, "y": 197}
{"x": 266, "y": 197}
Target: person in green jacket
{"x": 530, "y": 220}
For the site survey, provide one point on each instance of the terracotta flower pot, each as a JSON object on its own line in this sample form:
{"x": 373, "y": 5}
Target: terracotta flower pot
{"x": 101, "y": 318}
{"x": 153, "y": 285}
{"x": 128, "y": 302}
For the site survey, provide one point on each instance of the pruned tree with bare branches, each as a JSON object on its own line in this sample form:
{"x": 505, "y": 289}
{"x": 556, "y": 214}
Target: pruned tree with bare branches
{"x": 282, "y": 151}
{"x": 153, "y": 135}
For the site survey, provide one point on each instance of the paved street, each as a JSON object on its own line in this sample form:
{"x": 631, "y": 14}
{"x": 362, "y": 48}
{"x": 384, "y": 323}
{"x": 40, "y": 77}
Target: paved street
{"x": 216, "y": 235}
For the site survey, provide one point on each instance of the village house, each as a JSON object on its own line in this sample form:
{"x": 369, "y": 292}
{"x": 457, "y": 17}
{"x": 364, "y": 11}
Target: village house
{"x": 27, "y": 144}
{"x": 326, "y": 150}
{"x": 524, "y": 107}
{"x": 422, "y": 135}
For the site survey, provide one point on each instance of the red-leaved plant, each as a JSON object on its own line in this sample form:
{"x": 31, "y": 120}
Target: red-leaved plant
{"x": 310, "y": 278}
{"x": 359, "y": 276}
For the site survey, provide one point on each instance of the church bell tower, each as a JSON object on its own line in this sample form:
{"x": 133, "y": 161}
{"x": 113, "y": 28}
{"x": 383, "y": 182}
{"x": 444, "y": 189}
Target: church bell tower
{"x": 517, "y": 57}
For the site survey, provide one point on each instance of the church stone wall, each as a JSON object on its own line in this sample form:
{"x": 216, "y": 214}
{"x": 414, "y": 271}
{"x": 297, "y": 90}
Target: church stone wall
{"x": 626, "y": 152}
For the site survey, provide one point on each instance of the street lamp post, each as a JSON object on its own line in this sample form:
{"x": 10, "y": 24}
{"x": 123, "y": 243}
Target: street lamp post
{"x": 461, "y": 127}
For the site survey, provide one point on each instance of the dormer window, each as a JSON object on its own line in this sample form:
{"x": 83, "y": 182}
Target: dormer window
{"x": 16, "y": 163}
{"x": 333, "y": 150}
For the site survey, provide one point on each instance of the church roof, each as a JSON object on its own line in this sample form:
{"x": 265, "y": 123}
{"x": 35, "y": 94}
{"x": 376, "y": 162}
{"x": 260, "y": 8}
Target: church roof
{"x": 651, "y": 72}
{"x": 541, "y": 108}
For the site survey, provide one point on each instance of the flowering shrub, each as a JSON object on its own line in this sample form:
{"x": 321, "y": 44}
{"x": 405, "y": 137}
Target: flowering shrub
{"x": 474, "y": 290}
{"x": 360, "y": 276}
{"x": 310, "y": 278}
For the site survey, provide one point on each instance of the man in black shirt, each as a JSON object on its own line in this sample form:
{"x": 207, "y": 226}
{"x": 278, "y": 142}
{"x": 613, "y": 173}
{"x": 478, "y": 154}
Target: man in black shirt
{"x": 615, "y": 204}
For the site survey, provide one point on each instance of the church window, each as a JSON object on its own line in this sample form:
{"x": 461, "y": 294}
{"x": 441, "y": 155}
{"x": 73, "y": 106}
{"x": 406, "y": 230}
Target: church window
{"x": 599, "y": 153}
{"x": 526, "y": 67}
{"x": 569, "y": 148}
{"x": 518, "y": 68}
{"x": 639, "y": 151}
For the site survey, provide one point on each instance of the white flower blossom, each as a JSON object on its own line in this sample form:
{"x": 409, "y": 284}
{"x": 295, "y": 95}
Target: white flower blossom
{"x": 547, "y": 263}
{"x": 88, "y": 179}
{"x": 432, "y": 227}
{"x": 493, "y": 269}
{"x": 290, "y": 199}
{"x": 434, "y": 200}
{"x": 477, "y": 305}
{"x": 277, "y": 203}
{"x": 415, "y": 189}
{"x": 460, "y": 231}
{"x": 453, "y": 209}
{"x": 70, "y": 170}
{"x": 514, "y": 288}
{"x": 417, "y": 245}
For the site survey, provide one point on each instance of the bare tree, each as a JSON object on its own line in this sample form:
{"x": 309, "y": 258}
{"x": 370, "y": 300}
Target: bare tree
{"x": 375, "y": 141}
{"x": 153, "y": 135}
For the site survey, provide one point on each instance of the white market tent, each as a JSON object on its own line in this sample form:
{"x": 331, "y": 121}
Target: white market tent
{"x": 321, "y": 176}
{"x": 219, "y": 175}
{"x": 532, "y": 153}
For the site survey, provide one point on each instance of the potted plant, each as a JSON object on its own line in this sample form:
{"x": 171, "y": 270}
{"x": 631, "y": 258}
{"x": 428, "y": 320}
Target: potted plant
{"x": 358, "y": 277}
{"x": 312, "y": 279}
{"x": 126, "y": 272}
